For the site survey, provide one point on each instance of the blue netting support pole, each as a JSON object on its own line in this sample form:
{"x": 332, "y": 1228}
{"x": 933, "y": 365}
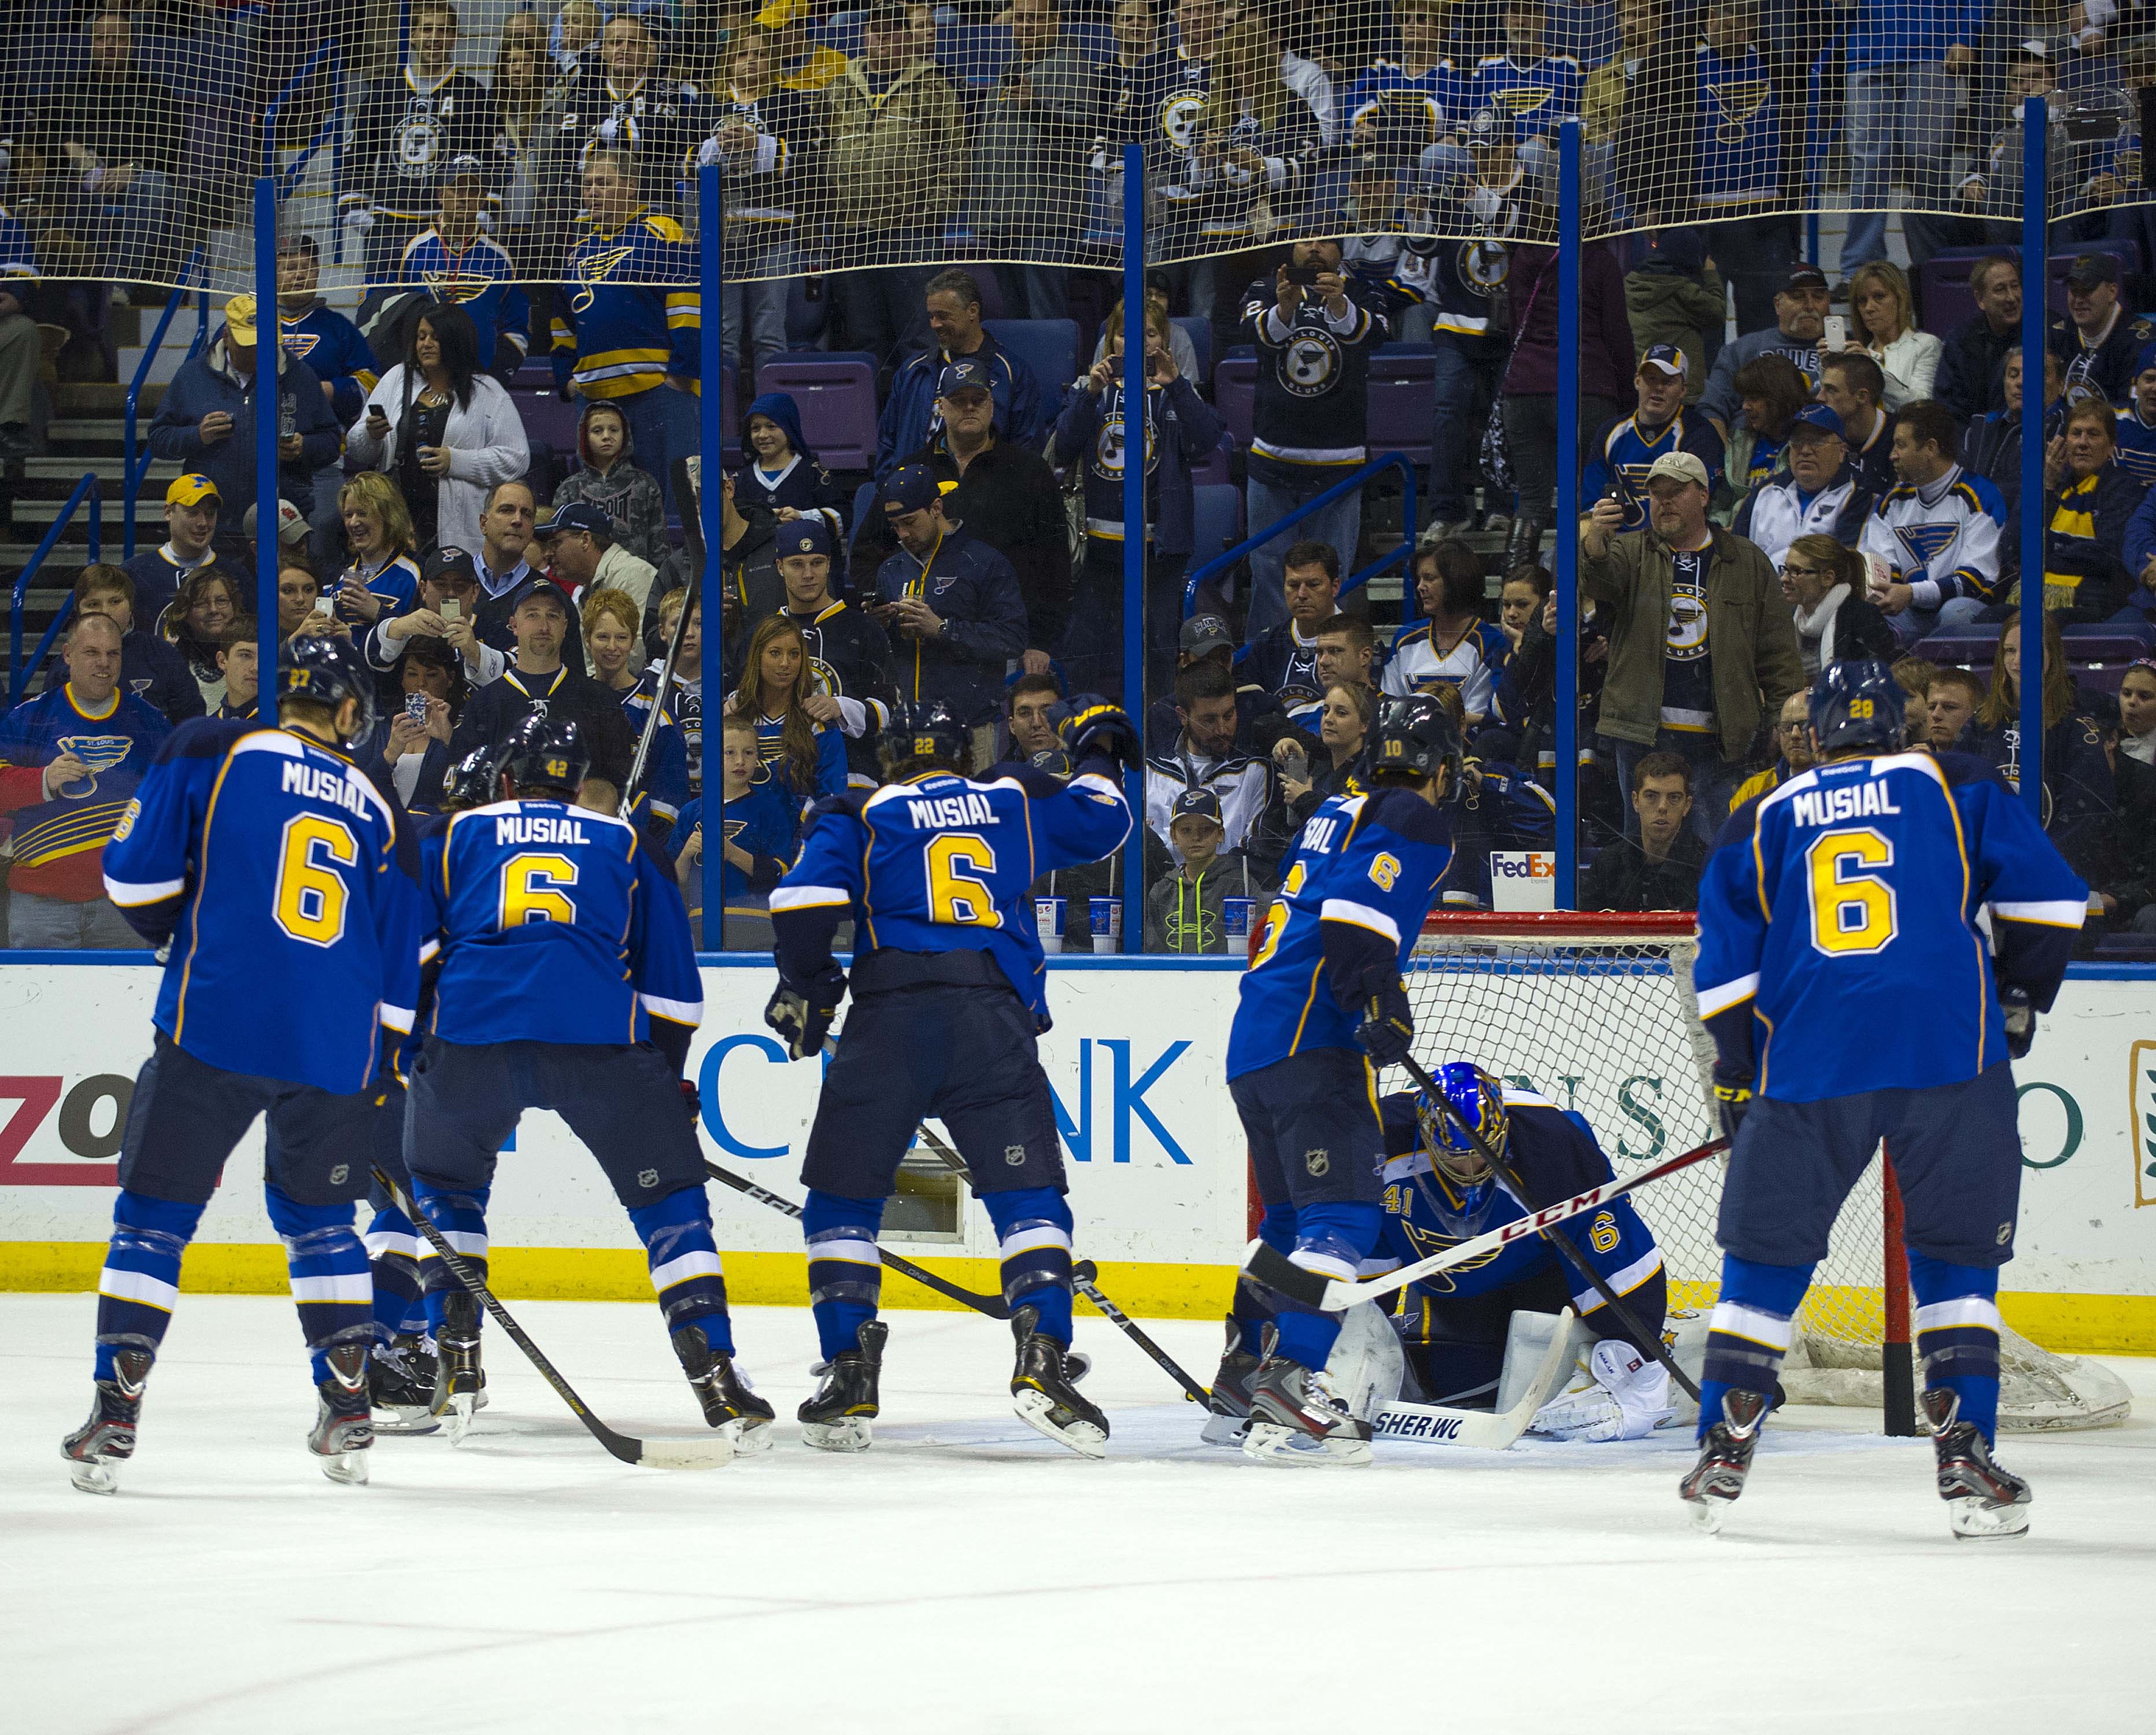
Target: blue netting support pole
{"x": 1135, "y": 697}
{"x": 268, "y": 401}
{"x": 710, "y": 438}
{"x": 1567, "y": 696}
{"x": 2036, "y": 280}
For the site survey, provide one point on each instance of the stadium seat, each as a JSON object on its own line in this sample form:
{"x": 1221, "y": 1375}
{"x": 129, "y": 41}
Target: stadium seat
{"x": 1050, "y": 347}
{"x": 804, "y": 318}
{"x": 1216, "y": 466}
{"x": 1965, "y": 646}
{"x": 2101, "y": 643}
{"x": 545, "y": 418}
{"x": 1200, "y": 333}
{"x": 1235, "y": 391}
{"x": 836, "y": 395}
{"x": 1944, "y": 302}
{"x": 1216, "y": 521}
{"x": 1402, "y": 382}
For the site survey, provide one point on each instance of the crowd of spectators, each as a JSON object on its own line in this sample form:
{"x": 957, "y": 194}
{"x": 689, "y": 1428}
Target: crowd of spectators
{"x": 1821, "y": 474}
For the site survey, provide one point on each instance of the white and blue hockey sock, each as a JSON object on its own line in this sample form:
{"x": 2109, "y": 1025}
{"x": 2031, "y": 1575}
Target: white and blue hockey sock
{"x": 685, "y": 1273}
{"x": 140, "y": 1286}
{"x": 1033, "y": 1230}
{"x": 1958, "y": 1334}
{"x": 330, "y": 1284}
{"x": 1252, "y": 1308}
{"x": 1749, "y": 1332}
{"x": 1332, "y": 1240}
{"x": 461, "y": 1217}
{"x": 846, "y": 1275}
{"x": 393, "y": 1252}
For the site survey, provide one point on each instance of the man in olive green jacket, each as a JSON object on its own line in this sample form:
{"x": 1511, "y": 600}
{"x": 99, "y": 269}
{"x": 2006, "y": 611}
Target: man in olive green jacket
{"x": 1701, "y": 641}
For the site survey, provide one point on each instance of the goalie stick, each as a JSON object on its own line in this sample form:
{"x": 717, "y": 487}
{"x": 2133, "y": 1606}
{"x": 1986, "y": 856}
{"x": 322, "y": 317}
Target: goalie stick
{"x": 1082, "y": 1273}
{"x": 1270, "y": 1266}
{"x": 1556, "y": 1237}
{"x": 658, "y": 1454}
{"x": 1435, "y": 1425}
{"x": 995, "y": 1306}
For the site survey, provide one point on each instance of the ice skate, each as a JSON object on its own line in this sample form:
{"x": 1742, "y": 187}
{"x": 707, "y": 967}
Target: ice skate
{"x": 1981, "y": 1499}
{"x": 838, "y": 1417}
{"x": 1044, "y": 1394}
{"x": 1296, "y": 1418}
{"x": 729, "y": 1404}
{"x": 458, "y": 1380}
{"x": 95, "y": 1450}
{"x": 1228, "y": 1411}
{"x": 342, "y": 1432}
{"x": 404, "y": 1387}
{"x": 1725, "y": 1459}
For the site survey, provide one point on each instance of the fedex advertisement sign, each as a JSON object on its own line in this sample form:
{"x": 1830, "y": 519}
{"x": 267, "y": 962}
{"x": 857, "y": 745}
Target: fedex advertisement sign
{"x": 1523, "y": 879}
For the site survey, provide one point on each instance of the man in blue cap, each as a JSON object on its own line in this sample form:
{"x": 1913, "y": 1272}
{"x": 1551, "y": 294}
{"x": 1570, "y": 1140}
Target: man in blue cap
{"x": 1002, "y": 493}
{"x": 848, "y": 652}
{"x": 952, "y": 603}
{"x": 1822, "y": 495}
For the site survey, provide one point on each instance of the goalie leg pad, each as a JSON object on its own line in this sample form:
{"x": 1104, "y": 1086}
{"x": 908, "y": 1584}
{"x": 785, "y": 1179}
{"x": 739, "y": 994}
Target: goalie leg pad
{"x": 1367, "y": 1366}
{"x": 1957, "y": 1321}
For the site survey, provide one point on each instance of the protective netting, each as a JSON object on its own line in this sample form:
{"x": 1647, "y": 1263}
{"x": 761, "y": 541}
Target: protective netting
{"x": 913, "y": 135}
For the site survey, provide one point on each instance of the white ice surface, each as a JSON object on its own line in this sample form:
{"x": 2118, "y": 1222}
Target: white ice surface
{"x": 968, "y": 1576}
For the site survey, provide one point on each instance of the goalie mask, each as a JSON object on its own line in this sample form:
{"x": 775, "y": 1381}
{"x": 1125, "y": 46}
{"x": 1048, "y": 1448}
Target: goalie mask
{"x": 1479, "y": 1099}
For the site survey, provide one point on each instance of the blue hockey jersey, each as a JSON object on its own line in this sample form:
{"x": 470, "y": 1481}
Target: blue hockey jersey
{"x": 1838, "y": 924}
{"x": 1556, "y": 1158}
{"x": 1365, "y": 872}
{"x": 1625, "y": 452}
{"x": 629, "y": 313}
{"x": 1738, "y": 129}
{"x": 555, "y": 926}
{"x": 1536, "y": 96}
{"x": 287, "y": 884}
{"x": 942, "y": 864}
{"x": 480, "y": 278}
{"x": 336, "y": 354}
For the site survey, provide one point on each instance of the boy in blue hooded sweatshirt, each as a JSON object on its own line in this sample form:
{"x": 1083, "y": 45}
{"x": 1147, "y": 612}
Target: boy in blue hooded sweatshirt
{"x": 780, "y": 474}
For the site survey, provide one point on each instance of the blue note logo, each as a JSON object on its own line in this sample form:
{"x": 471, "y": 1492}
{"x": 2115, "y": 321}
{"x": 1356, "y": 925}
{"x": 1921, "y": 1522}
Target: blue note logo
{"x": 1926, "y": 542}
{"x": 101, "y": 753}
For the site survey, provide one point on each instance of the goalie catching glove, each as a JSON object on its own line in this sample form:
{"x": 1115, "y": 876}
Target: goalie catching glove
{"x": 1621, "y": 1394}
{"x": 1387, "y": 1032}
{"x": 804, "y": 1015}
{"x": 1096, "y": 728}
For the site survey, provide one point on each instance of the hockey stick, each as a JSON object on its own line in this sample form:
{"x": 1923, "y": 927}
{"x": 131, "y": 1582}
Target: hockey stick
{"x": 994, "y": 1306}
{"x": 1436, "y": 1424}
{"x": 1270, "y": 1266}
{"x": 660, "y": 695}
{"x": 658, "y": 1454}
{"x": 1082, "y": 1274}
{"x": 1651, "y": 1341}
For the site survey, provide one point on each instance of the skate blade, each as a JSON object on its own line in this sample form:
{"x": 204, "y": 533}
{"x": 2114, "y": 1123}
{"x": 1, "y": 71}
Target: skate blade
{"x": 1290, "y": 1448}
{"x": 406, "y": 1418}
{"x": 94, "y": 1475}
{"x": 849, "y": 1434}
{"x": 747, "y": 1435}
{"x": 1221, "y": 1430}
{"x": 1980, "y": 1519}
{"x": 1036, "y": 1410}
{"x": 1706, "y": 1515}
{"x": 349, "y": 1468}
{"x": 457, "y": 1419}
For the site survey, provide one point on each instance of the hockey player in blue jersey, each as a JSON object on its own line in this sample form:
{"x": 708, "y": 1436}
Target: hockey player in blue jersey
{"x": 1440, "y": 1192}
{"x": 948, "y": 986}
{"x": 1321, "y": 1003}
{"x": 285, "y": 886}
{"x": 1857, "y": 885}
{"x": 568, "y": 983}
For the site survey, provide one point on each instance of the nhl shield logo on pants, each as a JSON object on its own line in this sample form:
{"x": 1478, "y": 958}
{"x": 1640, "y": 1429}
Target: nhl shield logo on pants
{"x": 1316, "y": 1162}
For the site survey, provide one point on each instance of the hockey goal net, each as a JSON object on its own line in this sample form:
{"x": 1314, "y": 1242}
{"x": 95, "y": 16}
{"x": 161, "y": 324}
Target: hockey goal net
{"x": 1596, "y": 1013}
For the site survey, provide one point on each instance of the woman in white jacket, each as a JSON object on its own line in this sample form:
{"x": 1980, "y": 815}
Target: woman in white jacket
{"x": 442, "y": 430}
{"x": 1886, "y": 320}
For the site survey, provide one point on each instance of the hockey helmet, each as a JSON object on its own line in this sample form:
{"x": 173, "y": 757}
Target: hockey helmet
{"x": 546, "y": 753}
{"x": 1857, "y": 704}
{"x": 920, "y": 732}
{"x": 1416, "y": 736}
{"x": 1477, "y": 1099}
{"x": 471, "y": 782}
{"x": 327, "y": 672}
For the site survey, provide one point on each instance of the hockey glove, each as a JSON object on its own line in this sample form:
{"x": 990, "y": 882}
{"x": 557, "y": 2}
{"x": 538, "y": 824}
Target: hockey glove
{"x": 1623, "y": 1395}
{"x": 1098, "y": 729}
{"x": 1732, "y": 1095}
{"x": 691, "y": 1101}
{"x": 803, "y": 1016}
{"x": 2020, "y": 1021}
{"x": 355, "y": 212}
{"x": 1388, "y": 1027}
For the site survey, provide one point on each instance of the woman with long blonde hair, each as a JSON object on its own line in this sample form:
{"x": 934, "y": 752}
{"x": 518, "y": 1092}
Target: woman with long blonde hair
{"x": 797, "y": 728}
{"x": 1884, "y": 316}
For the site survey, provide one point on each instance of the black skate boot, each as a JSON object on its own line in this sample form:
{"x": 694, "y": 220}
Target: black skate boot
{"x": 1228, "y": 1418}
{"x": 837, "y": 1419}
{"x": 403, "y": 1386}
{"x": 1725, "y": 1459}
{"x": 1296, "y": 1418}
{"x": 342, "y": 1432}
{"x": 729, "y": 1405}
{"x": 458, "y": 1380}
{"x": 1043, "y": 1394}
{"x": 95, "y": 1450}
{"x": 1981, "y": 1499}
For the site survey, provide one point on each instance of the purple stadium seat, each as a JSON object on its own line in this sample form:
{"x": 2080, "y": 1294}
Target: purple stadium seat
{"x": 1943, "y": 296}
{"x": 1235, "y": 392}
{"x": 837, "y": 403}
{"x": 1215, "y": 466}
{"x": 1401, "y": 384}
{"x": 546, "y": 418}
{"x": 1968, "y": 647}
{"x": 1216, "y": 522}
{"x": 2097, "y": 676}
